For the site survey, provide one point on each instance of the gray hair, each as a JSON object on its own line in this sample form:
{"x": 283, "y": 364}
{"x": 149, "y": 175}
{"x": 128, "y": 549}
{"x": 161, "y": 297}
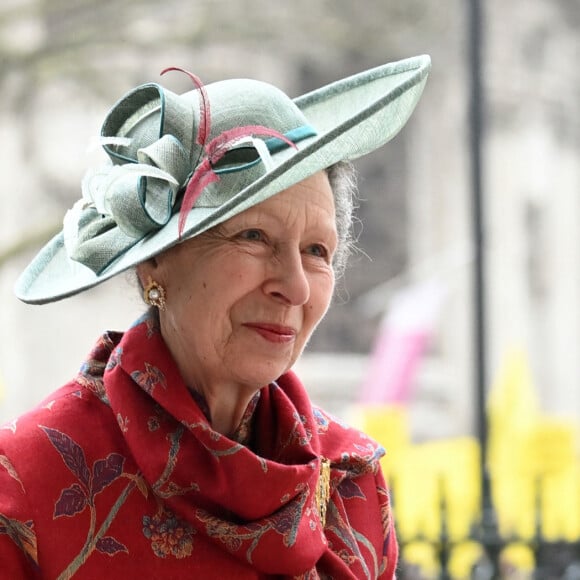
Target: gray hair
{"x": 342, "y": 178}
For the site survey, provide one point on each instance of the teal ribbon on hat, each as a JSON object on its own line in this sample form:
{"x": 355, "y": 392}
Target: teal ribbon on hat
{"x": 122, "y": 204}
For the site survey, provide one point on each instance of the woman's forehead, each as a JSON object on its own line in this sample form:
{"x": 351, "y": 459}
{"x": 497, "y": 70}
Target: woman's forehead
{"x": 309, "y": 200}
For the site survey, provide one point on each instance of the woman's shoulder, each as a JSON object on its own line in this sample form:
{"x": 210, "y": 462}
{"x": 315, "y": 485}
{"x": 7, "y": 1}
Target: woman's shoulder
{"x": 73, "y": 408}
{"x": 332, "y": 437}
{"x": 71, "y": 428}
{"x": 346, "y": 446}
{"x": 39, "y": 452}
{"x": 76, "y": 405}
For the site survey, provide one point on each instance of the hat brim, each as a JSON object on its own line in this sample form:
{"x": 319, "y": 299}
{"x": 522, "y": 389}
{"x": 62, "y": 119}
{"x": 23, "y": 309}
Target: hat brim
{"x": 352, "y": 117}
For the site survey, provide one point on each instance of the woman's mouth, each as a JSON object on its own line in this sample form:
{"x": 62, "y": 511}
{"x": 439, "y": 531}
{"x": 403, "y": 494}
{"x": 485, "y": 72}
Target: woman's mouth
{"x": 273, "y": 332}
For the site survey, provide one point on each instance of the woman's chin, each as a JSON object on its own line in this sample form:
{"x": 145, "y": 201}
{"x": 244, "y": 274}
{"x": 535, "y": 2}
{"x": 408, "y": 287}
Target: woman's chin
{"x": 257, "y": 377}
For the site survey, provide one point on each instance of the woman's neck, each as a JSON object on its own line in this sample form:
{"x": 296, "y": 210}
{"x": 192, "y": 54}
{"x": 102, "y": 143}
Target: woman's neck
{"x": 225, "y": 413}
{"x": 226, "y": 400}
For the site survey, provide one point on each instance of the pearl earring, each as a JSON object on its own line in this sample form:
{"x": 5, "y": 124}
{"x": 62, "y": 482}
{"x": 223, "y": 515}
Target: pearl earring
{"x": 154, "y": 294}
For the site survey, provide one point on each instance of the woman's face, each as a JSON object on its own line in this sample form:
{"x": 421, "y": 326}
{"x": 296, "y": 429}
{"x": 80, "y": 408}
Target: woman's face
{"x": 244, "y": 298}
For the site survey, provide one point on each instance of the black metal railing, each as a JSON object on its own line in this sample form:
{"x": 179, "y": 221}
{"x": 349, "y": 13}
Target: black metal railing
{"x": 553, "y": 559}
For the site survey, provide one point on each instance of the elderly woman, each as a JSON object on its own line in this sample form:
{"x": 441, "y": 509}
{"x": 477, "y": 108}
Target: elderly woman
{"x": 186, "y": 447}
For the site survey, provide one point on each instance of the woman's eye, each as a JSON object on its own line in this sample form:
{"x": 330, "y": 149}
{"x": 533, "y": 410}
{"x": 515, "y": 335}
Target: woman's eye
{"x": 317, "y": 250}
{"x": 252, "y": 235}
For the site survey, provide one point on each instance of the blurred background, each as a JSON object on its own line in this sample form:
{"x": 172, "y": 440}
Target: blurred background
{"x": 400, "y": 353}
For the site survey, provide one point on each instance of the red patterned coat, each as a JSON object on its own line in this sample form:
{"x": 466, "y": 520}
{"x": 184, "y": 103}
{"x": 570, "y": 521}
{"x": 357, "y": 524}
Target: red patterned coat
{"x": 119, "y": 475}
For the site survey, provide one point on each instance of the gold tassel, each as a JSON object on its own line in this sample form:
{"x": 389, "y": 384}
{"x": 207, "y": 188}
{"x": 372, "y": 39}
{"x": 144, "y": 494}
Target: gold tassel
{"x": 323, "y": 489}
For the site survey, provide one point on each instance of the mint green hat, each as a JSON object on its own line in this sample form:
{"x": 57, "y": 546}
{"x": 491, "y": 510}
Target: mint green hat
{"x": 181, "y": 164}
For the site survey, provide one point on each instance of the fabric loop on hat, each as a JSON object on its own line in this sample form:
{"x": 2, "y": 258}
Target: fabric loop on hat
{"x": 140, "y": 202}
{"x": 146, "y": 115}
{"x": 126, "y": 201}
{"x": 97, "y": 239}
{"x": 168, "y": 154}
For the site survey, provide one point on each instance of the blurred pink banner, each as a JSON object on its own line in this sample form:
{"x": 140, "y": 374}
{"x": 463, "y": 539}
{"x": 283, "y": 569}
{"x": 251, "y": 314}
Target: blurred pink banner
{"x": 401, "y": 341}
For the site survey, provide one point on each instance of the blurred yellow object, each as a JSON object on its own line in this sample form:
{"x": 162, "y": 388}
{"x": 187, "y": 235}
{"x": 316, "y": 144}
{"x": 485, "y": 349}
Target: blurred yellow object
{"x": 560, "y": 503}
{"x": 513, "y": 411}
{"x": 514, "y": 499}
{"x": 513, "y": 414}
{"x": 423, "y": 556}
{"x": 517, "y": 561}
{"x": 424, "y": 476}
{"x": 416, "y": 496}
{"x": 552, "y": 445}
{"x": 453, "y": 466}
{"x": 389, "y": 425}
{"x": 463, "y": 558}
{"x": 460, "y": 466}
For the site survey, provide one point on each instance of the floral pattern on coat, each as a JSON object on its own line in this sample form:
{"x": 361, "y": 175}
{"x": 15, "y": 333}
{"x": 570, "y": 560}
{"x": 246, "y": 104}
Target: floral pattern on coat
{"x": 121, "y": 470}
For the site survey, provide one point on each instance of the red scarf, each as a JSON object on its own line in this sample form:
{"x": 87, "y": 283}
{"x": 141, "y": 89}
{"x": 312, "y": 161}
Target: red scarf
{"x": 261, "y": 498}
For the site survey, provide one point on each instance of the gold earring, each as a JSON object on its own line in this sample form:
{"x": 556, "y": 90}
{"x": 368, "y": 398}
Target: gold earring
{"x": 154, "y": 294}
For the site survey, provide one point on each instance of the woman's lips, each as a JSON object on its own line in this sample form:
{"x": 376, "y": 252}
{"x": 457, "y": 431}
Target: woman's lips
{"x": 273, "y": 332}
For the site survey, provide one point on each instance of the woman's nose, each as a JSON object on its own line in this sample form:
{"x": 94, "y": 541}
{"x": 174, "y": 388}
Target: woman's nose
{"x": 287, "y": 280}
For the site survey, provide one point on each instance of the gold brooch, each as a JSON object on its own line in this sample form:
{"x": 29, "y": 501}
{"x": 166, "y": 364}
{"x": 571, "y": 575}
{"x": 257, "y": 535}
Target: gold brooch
{"x": 323, "y": 489}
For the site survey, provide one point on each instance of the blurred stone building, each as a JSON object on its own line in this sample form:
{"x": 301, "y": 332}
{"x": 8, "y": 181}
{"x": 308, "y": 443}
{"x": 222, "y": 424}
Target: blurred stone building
{"x": 64, "y": 63}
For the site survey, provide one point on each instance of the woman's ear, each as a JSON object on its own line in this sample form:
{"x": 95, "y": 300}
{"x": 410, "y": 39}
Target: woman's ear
{"x": 146, "y": 271}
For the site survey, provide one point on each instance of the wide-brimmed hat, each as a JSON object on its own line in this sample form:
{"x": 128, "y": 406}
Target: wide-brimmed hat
{"x": 181, "y": 164}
